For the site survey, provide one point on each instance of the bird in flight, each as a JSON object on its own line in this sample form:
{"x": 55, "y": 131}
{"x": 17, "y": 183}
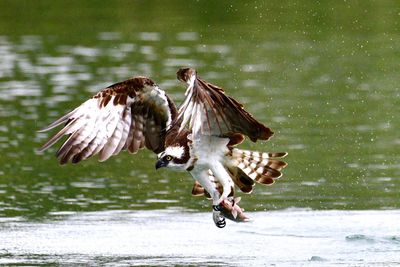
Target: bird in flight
{"x": 199, "y": 137}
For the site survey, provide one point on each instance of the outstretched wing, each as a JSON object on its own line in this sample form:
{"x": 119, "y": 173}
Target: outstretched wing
{"x": 207, "y": 110}
{"x": 128, "y": 115}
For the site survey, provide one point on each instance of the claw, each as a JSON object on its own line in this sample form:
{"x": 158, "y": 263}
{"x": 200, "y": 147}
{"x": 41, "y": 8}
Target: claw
{"x": 221, "y": 223}
{"x": 218, "y": 219}
{"x": 217, "y": 207}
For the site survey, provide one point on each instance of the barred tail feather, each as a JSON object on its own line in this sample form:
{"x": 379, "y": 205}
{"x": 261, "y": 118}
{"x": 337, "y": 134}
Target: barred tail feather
{"x": 248, "y": 167}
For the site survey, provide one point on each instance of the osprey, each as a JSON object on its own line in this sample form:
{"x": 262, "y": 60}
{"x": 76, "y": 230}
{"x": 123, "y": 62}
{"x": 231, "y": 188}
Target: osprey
{"x": 200, "y": 137}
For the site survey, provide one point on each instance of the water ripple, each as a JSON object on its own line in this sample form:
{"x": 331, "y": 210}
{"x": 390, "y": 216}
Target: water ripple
{"x": 187, "y": 36}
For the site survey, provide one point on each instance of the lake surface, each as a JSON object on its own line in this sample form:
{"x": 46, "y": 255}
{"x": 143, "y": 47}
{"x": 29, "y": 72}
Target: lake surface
{"x": 323, "y": 76}
{"x": 175, "y": 237}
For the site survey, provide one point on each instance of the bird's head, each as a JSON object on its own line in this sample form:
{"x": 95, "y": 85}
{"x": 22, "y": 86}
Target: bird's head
{"x": 173, "y": 157}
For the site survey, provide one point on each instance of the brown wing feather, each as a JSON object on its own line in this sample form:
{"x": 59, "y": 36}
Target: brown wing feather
{"x": 124, "y": 116}
{"x": 219, "y": 113}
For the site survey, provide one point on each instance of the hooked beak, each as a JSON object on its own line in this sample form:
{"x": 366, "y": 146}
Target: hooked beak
{"x": 161, "y": 163}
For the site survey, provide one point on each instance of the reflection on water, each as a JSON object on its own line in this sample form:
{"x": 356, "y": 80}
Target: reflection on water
{"x": 331, "y": 97}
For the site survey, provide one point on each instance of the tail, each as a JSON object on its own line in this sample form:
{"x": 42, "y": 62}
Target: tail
{"x": 247, "y": 167}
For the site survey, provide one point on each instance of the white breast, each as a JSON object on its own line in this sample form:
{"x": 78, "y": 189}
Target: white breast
{"x": 209, "y": 149}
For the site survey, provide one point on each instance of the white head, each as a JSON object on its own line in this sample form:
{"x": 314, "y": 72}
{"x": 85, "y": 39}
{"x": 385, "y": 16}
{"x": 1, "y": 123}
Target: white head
{"x": 174, "y": 157}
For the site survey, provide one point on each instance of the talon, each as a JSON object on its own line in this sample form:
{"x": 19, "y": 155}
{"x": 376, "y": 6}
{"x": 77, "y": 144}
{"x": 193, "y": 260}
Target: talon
{"x": 221, "y": 223}
{"x": 216, "y": 207}
{"x": 218, "y": 219}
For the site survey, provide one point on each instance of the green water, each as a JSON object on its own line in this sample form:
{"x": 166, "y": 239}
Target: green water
{"x": 323, "y": 75}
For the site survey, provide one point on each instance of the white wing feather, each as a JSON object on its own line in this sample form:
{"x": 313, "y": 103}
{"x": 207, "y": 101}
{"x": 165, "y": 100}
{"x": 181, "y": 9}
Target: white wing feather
{"x": 113, "y": 120}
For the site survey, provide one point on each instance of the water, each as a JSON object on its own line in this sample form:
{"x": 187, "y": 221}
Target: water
{"x": 175, "y": 237}
{"x": 323, "y": 76}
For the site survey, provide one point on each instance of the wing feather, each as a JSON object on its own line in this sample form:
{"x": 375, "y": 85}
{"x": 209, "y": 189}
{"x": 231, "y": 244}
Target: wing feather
{"x": 83, "y": 145}
{"x": 207, "y": 110}
{"x": 125, "y": 116}
{"x": 87, "y": 150}
{"x": 125, "y": 122}
{"x": 56, "y": 137}
{"x": 59, "y": 121}
{"x": 185, "y": 111}
{"x": 113, "y": 134}
{"x": 137, "y": 135}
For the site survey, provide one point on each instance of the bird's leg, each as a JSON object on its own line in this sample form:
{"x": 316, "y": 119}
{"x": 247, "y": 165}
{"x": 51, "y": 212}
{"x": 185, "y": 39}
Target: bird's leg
{"x": 202, "y": 177}
{"x": 223, "y": 177}
{"x": 218, "y": 219}
{"x": 227, "y": 205}
{"x": 210, "y": 188}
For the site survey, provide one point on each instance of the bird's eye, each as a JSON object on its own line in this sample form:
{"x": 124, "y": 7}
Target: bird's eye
{"x": 169, "y": 158}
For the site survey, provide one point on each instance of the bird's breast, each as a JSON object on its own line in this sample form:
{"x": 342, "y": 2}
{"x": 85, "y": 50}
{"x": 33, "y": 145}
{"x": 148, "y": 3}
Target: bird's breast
{"x": 208, "y": 149}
